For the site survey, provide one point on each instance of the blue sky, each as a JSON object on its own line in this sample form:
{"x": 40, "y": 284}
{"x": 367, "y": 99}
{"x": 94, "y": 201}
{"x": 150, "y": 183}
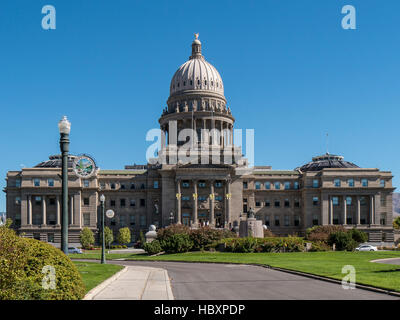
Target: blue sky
{"x": 289, "y": 69}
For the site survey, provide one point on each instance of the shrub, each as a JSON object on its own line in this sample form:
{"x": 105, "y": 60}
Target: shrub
{"x": 358, "y": 235}
{"x": 108, "y": 236}
{"x": 203, "y": 237}
{"x": 317, "y": 246}
{"x": 343, "y": 241}
{"x": 21, "y": 264}
{"x": 321, "y": 233}
{"x": 124, "y": 236}
{"x": 153, "y": 247}
{"x": 165, "y": 233}
{"x": 396, "y": 223}
{"x": 273, "y": 244}
{"x": 86, "y": 238}
{"x": 176, "y": 243}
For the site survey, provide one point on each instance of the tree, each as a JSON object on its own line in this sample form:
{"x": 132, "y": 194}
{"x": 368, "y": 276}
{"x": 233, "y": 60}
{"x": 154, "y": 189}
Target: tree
{"x": 396, "y": 223}
{"x": 108, "y": 236}
{"x": 86, "y": 238}
{"x": 124, "y": 236}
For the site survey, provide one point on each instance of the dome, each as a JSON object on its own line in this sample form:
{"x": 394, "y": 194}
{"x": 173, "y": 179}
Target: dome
{"x": 326, "y": 161}
{"x": 196, "y": 74}
{"x": 55, "y": 162}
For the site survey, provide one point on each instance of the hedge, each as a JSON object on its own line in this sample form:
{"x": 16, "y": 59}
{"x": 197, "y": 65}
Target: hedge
{"x": 21, "y": 263}
{"x": 272, "y": 244}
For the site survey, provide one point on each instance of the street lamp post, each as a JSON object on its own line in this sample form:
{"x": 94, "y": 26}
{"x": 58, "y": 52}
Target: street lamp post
{"x": 103, "y": 241}
{"x": 171, "y": 217}
{"x": 64, "y": 127}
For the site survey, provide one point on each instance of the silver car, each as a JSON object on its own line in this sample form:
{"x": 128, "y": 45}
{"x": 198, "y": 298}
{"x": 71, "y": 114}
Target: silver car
{"x": 74, "y": 250}
{"x": 366, "y": 247}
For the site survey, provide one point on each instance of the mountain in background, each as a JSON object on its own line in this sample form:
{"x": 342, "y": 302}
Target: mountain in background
{"x": 396, "y": 204}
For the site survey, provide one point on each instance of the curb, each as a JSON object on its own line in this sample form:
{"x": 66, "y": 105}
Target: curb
{"x": 382, "y": 260}
{"x": 168, "y": 285}
{"x": 96, "y": 290}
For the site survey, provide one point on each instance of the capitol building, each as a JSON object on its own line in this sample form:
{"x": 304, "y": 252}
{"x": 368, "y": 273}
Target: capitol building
{"x": 215, "y": 187}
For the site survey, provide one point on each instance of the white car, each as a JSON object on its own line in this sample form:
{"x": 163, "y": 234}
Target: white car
{"x": 366, "y": 247}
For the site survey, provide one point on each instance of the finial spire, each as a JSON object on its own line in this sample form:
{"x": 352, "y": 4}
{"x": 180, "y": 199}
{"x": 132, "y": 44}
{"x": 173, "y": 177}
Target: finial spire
{"x": 196, "y": 48}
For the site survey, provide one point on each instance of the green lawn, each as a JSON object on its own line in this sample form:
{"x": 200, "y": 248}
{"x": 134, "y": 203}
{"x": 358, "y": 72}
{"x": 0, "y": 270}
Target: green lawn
{"x": 94, "y": 273}
{"x": 327, "y": 264}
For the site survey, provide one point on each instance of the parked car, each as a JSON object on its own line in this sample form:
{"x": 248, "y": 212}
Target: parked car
{"x": 366, "y": 247}
{"x": 74, "y": 250}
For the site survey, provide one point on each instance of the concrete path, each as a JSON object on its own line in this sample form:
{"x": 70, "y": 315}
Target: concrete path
{"x": 388, "y": 261}
{"x": 196, "y": 281}
{"x": 136, "y": 283}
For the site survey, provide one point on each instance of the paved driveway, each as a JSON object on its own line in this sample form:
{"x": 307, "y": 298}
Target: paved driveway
{"x": 388, "y": 261}
{"x": 195, "y": 281}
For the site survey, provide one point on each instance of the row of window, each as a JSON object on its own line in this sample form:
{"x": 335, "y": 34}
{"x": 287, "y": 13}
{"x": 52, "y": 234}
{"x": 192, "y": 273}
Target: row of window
{"x": 132, "y": 203}
{"x": 132, "y": 186}
{"x": 277, "y": 185}
{"x": 286, "y": 221}
{"x": 277, "y": 203}
{"x": 49, "y": 183}
{"x": 132, "y": 221}
{"x": 198, "y": 83}
{"x": 201, "y": 184}
{"x": 202, "y": 198}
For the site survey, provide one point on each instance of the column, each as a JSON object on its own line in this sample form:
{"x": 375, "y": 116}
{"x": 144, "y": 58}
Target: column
{"x": 30, "y": 210}
{"x": 44, "y": 222}
{"x": 78, "y": 210}
{"x": 203, "y": 138}
{"x": 227, "y": 201}
{"x": 358, "y": 210}
{"x": 371, "y": 210}
{"x": 231, "y": 138}
{"x": 195, "y": 219}
{"x": 58, "y": 210}
{"x": 178, "y": 202}
{"x": 212, "y": 215}
{"x": 213, "y": 127}
{"x": 331, "y": 210}
{"x": 71, "y": 202}
{"x": 221, "y": 134}
{"x": 344, "y": 210}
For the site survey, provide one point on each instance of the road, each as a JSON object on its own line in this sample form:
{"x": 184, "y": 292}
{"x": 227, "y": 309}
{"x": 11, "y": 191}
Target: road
{"x": 201, "y": 281}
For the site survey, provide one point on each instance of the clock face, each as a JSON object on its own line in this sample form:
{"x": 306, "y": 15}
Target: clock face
{"x": 110, "y": 214}
{"x": 84, "y": 166}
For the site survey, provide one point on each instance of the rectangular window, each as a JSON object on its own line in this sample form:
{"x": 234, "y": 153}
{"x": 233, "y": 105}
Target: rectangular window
{"x": 286, "y": 220}
{"x": 363, "y": 201}
{"x": 202, "y": 198}
{"x": 348, "y": 201}
{"x": 185, "y": 198}
{"x": 133, "y": 203}
{"x": 364, "y": 182}
{"x": 132, "y": 220}
{"x": 122, "y": 202}
{"x": 267, "y": 221}
{"x": 382, "y": 183}
{"x": 244, "y": 185}
{"x": 38, "y": 201}
{"x": 113, "y": 186}
{"x": 258, "y": 203}
{"x": 122, "y": 221}
{"x": 50, "y": 182}
{"x": 277, "y": 222}
{"x": 155, "y": 184}
{"x": 86, "y": 219}
{"x": 258, "y": 185}
{"x": 315, "y": 201}
{"x": 122, "y": 186}
{"x": 245, "y": 208}
{"x": 185, "y": 184}
{"x": 383, "y": 219}
{"x": 335, "y": 201}
{"x": 267, "y": 203}
{"x": 86, "y": 183}
{"x": 296, "y": 221}
{"x": 218, "y": 184}
{"x": 350, "y": 182}
{"x": 50, "y": 237}
{"x": 36, "y": 182}
{"x": 315, "y": 183}
{"x": 142, "y": 221}
{"x": 277, "y": 203}
{"x": 287, "y": 203}
{"x": 267, "y": 185}
{"x": 296, "y": 185}
{"x": 112, "y": 203}
{"x": 142, "y": 202}
{"x": 277, "y": 185}
{"x": 202, "y": 184}
{"x": 218, "y": 198}
{"x": 85, "y": 201}
{"x": 296, "y": 203}
{"x": 315, "y": 221}
{"x": 18, "y": 183}
{"x": 18, "y": 200}
{"x": 133, "y": 187}
{"x": 287, "y": 185}
{"x": 337, "y": 182}
{"x": 52, "y": 201}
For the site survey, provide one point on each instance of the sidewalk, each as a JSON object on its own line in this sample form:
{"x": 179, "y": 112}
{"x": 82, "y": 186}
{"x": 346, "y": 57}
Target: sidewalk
{"x": 134, "y": 283}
